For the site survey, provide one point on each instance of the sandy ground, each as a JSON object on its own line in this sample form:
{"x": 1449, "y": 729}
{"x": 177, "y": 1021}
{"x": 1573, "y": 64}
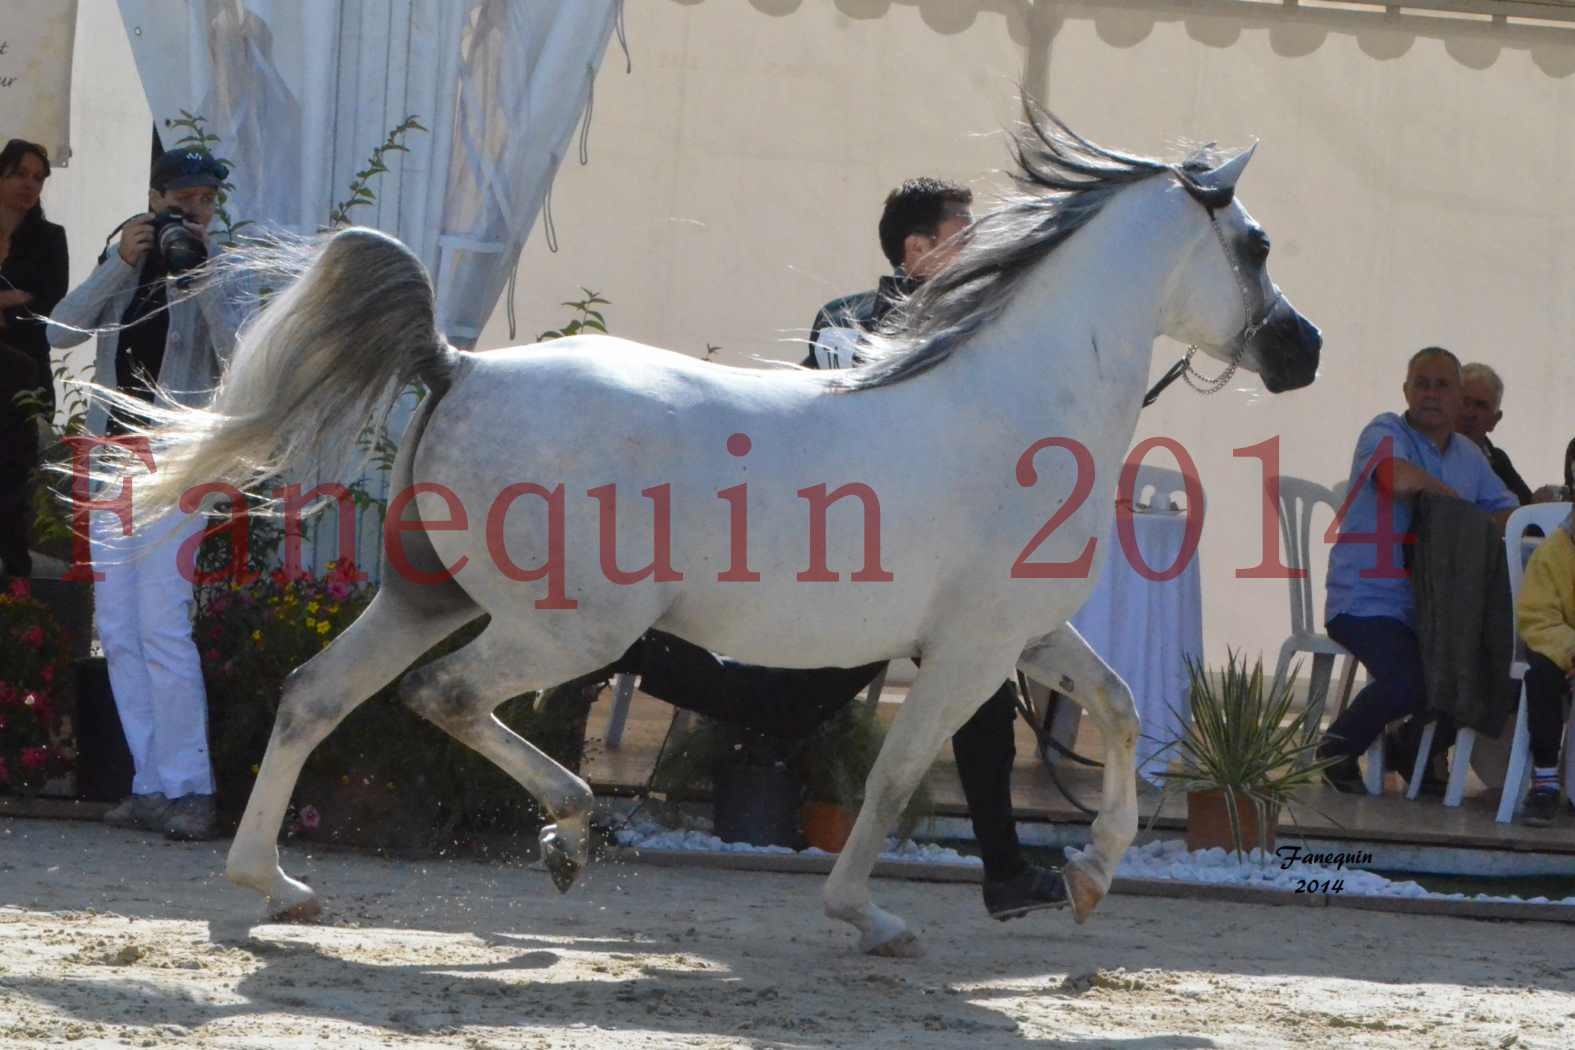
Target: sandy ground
{"x": 105, "y": 941}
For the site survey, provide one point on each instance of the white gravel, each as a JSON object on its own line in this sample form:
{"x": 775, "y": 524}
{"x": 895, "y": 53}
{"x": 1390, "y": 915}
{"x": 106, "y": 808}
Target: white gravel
{"x": 1167, "y": 859}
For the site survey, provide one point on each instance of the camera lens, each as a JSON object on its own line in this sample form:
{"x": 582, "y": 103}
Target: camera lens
{"x": 180, "y": 249}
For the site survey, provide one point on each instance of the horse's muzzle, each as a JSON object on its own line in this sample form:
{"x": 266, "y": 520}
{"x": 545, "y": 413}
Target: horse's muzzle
{"x": 1287, "y": 349}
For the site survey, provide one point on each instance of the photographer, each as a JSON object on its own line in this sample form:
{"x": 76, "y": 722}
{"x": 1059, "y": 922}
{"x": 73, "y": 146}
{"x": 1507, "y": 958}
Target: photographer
{"x": 157, "y": 322}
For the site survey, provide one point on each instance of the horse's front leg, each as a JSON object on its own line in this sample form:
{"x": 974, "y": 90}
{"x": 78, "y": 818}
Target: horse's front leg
{"x": 945, "y": 694}
{"x": 1064, "y": 661}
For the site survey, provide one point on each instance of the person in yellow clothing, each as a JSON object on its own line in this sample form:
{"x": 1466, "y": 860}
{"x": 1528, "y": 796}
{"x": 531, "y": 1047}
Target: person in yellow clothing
{"x": 1545, "y": 612}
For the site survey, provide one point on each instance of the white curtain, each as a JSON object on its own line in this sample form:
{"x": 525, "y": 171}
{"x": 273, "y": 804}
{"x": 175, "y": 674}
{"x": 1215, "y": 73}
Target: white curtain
{"x": 37, "y": 38}
{"x": 526, "y": 75}
{"x": 301, "y": 93}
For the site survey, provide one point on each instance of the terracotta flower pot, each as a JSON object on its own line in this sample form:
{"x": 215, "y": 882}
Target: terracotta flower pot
{"x": 1208, "y": 822}
{"x": 827, "y": 825}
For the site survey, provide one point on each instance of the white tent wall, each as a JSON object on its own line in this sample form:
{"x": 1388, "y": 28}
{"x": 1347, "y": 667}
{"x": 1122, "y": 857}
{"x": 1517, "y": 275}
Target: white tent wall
{"x": 1414, "y": 174}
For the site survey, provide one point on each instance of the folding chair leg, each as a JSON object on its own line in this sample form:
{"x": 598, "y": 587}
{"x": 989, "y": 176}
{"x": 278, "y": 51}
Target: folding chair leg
{"x": 1373, "y": 778}
{"x": 1459, "y": 766}
{"x": 1318, "y": 686}
{"x": 872, "y": 694}
{"x": 623, "y": 694}
{"x": 1519, "y": 770}
{"x": 1347, "y": 684}
{"x": 1424, "y": 751}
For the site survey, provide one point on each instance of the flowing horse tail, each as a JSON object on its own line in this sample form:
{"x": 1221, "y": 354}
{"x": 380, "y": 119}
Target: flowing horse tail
{"x": 354, "y": 325}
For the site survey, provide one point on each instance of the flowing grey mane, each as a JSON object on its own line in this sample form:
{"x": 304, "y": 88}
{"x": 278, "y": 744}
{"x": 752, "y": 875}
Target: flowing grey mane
{"x": 1064, "y": 181}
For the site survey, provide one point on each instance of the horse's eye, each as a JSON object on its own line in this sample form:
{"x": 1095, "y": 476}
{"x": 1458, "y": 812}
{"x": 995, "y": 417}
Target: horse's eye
{"x": 1258, "y": 245}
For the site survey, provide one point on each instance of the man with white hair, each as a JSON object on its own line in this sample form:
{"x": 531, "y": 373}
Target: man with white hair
{"x": 1481, "y": 398}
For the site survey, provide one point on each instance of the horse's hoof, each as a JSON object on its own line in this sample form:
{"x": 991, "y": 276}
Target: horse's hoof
{"x": 1082, "y": 889}
{"x": 300, "y": 912}
{"x": 905, "y": 945}
{"x": 560, "y": 862}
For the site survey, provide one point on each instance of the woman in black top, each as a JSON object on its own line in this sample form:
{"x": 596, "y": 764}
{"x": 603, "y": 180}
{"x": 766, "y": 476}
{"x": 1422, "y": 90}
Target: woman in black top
{"x": 34, "y": 272}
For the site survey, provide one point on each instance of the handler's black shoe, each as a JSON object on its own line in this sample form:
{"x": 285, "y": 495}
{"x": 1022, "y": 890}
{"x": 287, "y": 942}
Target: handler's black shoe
{"x": 1029, "y": 890}
{"x": 1344, "y": 776}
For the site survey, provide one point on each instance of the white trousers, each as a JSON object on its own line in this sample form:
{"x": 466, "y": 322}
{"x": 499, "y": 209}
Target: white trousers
{"x": 143, "y": 610}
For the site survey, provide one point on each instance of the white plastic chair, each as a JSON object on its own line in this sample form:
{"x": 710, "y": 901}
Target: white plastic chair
{"x": 1547, "y": 517}
{"x": 1298, "y": 498}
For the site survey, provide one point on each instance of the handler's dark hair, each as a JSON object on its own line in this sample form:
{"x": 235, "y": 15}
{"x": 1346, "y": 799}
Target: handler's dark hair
{"x": 918, "y": 206}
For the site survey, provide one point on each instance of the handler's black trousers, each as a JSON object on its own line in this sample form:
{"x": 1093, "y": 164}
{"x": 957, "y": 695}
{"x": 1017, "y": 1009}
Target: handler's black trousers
{"x": 793, "y": 703}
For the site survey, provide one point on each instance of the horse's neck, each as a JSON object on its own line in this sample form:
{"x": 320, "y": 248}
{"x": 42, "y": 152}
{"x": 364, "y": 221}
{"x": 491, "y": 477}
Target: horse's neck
{"x": 1077, "y": 338}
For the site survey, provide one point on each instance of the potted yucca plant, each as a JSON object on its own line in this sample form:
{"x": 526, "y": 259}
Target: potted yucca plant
{"x": 1243, "y": 757}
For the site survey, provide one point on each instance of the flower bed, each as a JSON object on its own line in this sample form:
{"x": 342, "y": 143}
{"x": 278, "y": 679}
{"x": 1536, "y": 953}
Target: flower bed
{"x": 385, "y": 777}
{"x": 34, "y": 660}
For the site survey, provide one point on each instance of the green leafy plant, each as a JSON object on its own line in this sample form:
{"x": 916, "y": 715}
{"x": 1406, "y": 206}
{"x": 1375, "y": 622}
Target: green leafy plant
{"x": 587, "y": 319}
{"x": 34, "y": 665}
{"x": 360, "y": 185}
{"x": 1246, "y": 741}
{"x": 836, "y": 761}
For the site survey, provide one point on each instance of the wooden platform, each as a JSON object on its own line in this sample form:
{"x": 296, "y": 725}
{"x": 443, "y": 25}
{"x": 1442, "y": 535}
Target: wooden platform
{"x": 1325, "y": 814}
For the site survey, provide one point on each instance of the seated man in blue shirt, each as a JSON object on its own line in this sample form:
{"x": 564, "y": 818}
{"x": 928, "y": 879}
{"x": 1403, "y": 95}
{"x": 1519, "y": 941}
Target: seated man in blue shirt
{"x": 1369, "y": 608}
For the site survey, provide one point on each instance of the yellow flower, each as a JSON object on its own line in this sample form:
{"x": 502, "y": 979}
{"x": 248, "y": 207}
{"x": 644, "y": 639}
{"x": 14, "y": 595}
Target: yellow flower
{"x": 322, "y": 628}
{"x": 311, "y": 622}
{"x": 255, "y": 768}
{"x": 311, "y": 607}
{"x": 256, "y": 636}
{"x": 334, "y": 608}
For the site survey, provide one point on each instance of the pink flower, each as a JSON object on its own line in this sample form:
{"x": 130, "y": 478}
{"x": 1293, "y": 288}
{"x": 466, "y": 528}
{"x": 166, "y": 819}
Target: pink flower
{"x": 338, "y": 590}
{"x": 48, "y": 674}
{"x": 34, "y": 758}
{"x": 310, "y": 818}
{"x": 20, "y": 588}
{"x": 33, "y": 637}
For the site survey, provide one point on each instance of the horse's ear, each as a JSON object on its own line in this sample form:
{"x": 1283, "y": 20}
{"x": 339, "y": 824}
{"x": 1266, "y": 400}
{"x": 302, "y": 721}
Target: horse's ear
{"x": 1216, "y": 188}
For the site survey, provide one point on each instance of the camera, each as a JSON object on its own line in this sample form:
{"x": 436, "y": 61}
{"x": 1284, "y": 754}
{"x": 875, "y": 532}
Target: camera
{"x": 175, "y": 248}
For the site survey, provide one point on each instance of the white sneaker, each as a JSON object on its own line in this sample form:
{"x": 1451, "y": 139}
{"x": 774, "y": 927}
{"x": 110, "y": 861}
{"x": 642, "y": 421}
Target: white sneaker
{"x": 139, "y": 811}
{"x": 190, "y": 818}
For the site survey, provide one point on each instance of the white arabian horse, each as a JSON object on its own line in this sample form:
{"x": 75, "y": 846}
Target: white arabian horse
{"x": 586, "y": 490}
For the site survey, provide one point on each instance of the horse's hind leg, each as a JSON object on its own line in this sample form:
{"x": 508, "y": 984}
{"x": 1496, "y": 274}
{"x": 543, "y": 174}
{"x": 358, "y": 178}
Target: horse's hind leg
{"x": 459, "y": 693}
{"x": 950, "y": 687}
{"x": 317, "y": 696}
{"x": 1064, "y": 661}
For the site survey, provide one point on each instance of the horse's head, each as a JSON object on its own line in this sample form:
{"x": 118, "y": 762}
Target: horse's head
{"x": 1227, "y": 306}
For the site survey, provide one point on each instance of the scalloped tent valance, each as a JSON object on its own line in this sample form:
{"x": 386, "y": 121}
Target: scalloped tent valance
{"x": 1474, "y": 32}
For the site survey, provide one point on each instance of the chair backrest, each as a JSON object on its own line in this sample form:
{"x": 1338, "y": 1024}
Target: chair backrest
{"x": 1164, "y": 489}
{"x": 1545, "y": 516}
{"x": 1298, "y": 498}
